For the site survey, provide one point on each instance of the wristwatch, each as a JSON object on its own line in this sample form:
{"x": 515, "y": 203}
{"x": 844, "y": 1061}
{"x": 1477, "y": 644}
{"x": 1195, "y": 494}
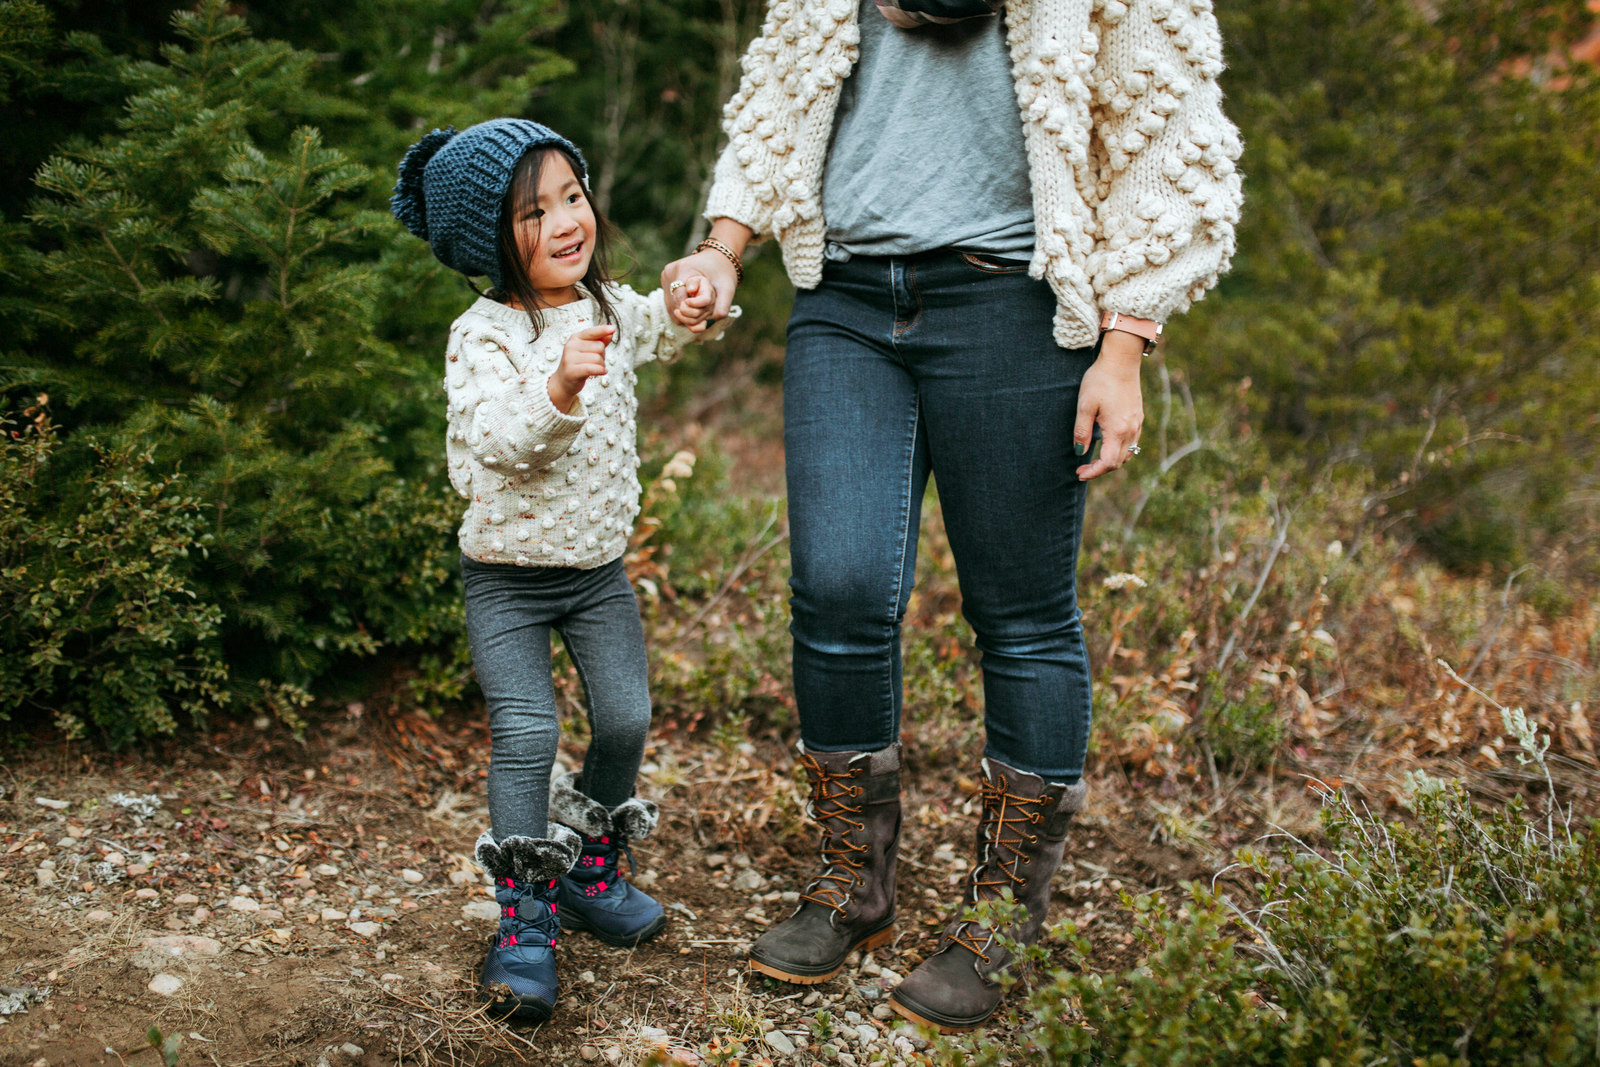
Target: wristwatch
{"x": 1148, "y": 329}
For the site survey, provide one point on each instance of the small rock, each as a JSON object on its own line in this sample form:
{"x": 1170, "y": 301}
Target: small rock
{"x": 865, "y": 1034}
{"x": 811, "y": 998}
{"x": 44, "y": 876}
{"x": 589, "y": 1053}
{"x": 332, "y": 915}
{"x": 327, "y": 870}
{"x": 883, "y": 1011}
{"x": 853, "y": 1018}
{"x": 646, "y": 879}
{"x": 870, "y": 968}
{"x": 183, "y": 945}
{"x": 271, "y": 915}
{"x": 411, "y": 877}
{"x": 366, "y": 929}
{"x": 779, "y": 1042}
{"x": 201, "y": 914}
{"x": 486, "y": 910}
{"x": 790, "y": 896}
{"x": 409, "y": 905}
{"x": 748, "y": 881}
{"x": 715, "y": 860}
{"x": 53, "y": 805}
{"x": 463, "y": 878}
{"x": 587, "y": 978}
{"x": 165, "y": 985}
{"x": 137, "y": 869}
{"x": 116, "y": 859}
{"x": 146, "y": 894}
{"x": 244, "y": 904}
{"x": 353, "y": 1050}
{"x": 847, "y": 1060}
{"x": 185, "y": 899}
{"x": 392, "y": 977}
{"x": 613, "y": 1054}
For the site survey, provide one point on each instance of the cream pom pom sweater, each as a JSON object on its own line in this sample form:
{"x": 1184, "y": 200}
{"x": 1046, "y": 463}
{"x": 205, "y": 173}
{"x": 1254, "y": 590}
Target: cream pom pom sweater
{"x": 546, "y": 488}
{"x": 1131, "y": 160}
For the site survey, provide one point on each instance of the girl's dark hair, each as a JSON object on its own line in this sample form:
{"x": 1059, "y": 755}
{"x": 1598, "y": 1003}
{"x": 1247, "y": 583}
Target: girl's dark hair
{"x": 524, "y": 191}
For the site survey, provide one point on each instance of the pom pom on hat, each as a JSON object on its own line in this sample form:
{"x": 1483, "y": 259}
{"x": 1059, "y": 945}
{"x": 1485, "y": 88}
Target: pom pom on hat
{"x": 451, "y": 186}
{"x": 408, "y": 203}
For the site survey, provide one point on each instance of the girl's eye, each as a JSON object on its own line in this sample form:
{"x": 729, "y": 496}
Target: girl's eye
{"x": 574, "y": 198}
{"x": 536, "y": 213}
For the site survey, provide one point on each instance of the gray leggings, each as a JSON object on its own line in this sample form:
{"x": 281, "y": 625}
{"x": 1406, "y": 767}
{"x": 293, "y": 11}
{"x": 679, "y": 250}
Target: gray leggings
{"x": 510, "y": 613}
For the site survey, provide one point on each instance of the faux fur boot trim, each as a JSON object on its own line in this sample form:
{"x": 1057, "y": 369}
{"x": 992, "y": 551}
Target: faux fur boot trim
{"x": 635, "y": 818}
{"x": 529, "y": 859}
{"x": 569, "y": 807}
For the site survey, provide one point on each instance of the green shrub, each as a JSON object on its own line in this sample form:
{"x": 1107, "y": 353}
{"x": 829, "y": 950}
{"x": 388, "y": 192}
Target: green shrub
{"x": 1460, "y": 938}
{"x": 203, "y": 296}
{"x": 98, "y": 620}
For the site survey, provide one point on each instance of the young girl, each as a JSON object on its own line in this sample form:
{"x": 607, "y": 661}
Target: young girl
{"x": 540, "y": 374}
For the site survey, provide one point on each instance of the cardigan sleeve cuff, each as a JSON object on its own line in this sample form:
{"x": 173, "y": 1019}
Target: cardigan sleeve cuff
{"x": 733, "y": 197}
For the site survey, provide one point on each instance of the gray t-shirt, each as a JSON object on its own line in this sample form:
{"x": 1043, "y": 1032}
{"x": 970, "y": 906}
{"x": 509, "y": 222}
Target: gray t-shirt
{"x": 927, "y": 147}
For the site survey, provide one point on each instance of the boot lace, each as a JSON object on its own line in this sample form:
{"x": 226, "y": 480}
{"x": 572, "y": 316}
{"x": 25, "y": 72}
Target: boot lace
{"x": 600, "y": 863}
{"x": 834, "y": 800}
{"x": 1003, "y": 830}
{"x": 523, "y": 922}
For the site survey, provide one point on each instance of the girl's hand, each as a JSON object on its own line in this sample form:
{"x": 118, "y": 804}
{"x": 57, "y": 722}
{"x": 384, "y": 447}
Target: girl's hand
{"x": 690, "y": 300}
{"x": 583, "y": 358}
{"x": 707, "y": 293}
{"x": 711, "y": 265}
{"x": 1109, "y": 395}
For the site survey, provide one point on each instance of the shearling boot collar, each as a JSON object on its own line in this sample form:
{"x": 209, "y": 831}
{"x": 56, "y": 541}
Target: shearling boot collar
{"x": 634, "y": 819}
{"x": 529, "y": 859}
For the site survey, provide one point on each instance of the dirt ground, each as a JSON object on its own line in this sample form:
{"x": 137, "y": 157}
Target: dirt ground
{"x": 315, "y": 904}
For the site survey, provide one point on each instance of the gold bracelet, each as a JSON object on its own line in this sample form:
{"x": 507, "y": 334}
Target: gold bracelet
{"x": 717, "y": 246}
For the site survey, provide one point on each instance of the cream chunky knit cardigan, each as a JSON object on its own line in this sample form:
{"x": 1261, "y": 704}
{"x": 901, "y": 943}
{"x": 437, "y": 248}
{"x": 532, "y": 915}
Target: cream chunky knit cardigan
{"x": 1131, "y": 160}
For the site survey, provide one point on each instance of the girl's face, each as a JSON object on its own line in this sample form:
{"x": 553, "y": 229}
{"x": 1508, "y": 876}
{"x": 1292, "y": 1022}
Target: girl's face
{"x": 555, "y": 233}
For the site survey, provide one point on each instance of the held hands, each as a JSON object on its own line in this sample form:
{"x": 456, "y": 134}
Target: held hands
{"x": 706, "y": 294}
{"x": 1109, "y": 395}
{"x": 584, "y": 357}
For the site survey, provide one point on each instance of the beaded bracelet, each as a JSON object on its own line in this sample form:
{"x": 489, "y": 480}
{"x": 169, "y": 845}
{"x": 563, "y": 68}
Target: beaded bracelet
{"x": 717, "y": 246}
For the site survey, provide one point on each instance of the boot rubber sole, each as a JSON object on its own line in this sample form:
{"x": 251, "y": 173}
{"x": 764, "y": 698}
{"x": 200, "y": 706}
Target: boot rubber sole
{"x": 523, "y": 1009}
{"x": 571, "y": 924}
{"x": 800, "y": 977}
{"x": 946, "y": 1024}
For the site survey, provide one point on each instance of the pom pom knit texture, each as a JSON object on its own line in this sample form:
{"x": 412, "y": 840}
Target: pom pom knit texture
{"x": 548, "y": 489}
{"x": 1131, "y": 160}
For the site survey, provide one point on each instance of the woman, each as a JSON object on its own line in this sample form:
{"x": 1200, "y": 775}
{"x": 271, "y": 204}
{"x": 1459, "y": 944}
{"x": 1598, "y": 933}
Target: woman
{"x": 987, "y": 219}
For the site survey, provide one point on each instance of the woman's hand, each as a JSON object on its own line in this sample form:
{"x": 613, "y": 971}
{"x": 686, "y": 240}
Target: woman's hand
{"x": 692, "y": 300}
{"x": 584, "y": 357}
{"x": 1109, "y": 395}
{"x": 715, "y": 268}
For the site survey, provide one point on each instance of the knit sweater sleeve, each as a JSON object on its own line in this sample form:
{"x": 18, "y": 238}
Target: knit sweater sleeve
{"x": 1169, "y": 191}
{"x": 760, "y": 120}
{"x": 500, "y": 406}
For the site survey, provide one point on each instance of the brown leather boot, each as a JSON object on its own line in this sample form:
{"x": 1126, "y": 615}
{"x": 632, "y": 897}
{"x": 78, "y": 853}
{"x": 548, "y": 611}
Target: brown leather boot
{"x": 1021, "y": 836}
{"x": 855, "y": 798}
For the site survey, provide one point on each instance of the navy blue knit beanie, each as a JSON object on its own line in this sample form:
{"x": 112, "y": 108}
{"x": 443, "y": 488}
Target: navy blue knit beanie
{"x": 451, "y": 186}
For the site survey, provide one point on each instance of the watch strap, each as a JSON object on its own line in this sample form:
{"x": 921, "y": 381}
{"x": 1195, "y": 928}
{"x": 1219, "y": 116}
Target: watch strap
{"x": 1149, "y": 329}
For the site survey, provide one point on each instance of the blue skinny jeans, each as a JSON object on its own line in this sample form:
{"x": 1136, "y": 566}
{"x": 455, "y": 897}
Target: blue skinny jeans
{"x": 938, "y": 365}
{"x": 511, "y": 612}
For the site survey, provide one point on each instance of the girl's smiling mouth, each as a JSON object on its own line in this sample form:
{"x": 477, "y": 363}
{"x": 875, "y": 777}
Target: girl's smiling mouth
{"x": 574, "y": 249}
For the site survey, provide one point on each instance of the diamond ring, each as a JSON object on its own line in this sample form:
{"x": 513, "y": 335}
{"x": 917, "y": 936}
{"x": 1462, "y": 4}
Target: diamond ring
{"x": 1133, "y": 449}
{"x": 675, "y": 286}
